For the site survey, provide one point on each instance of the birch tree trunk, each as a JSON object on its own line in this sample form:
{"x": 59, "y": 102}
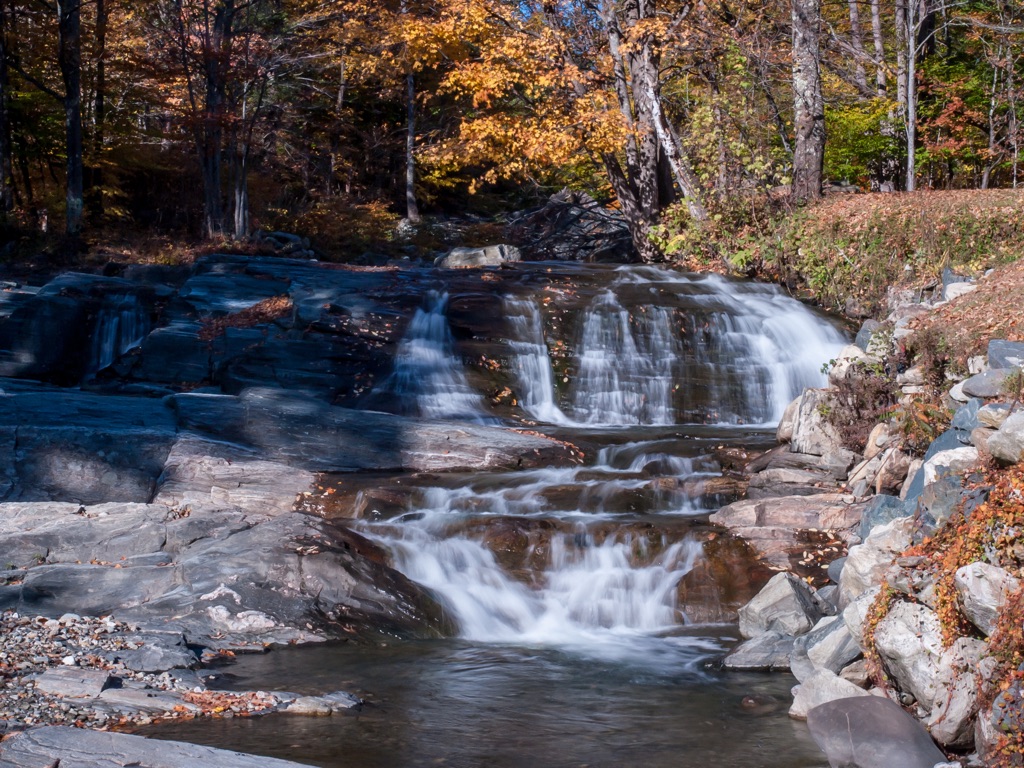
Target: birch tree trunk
{"x": 857, "y": 41}
{"x": 808, "y": 102}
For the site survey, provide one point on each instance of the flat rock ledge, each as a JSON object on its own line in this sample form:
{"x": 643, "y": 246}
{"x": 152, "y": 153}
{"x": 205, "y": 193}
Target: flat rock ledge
{"x": 61, "y": 745}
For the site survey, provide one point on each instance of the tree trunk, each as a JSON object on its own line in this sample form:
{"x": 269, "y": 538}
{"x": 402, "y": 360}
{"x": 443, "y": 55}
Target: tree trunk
{"x": 808, "y": 102}
{"x": 99, "y": 112}
{"x": 857, "y": 41}
{"x": 912, "y": 25}
{"x": 216, "y": 59}
{"x": 69, "y": 13}
{"x": 412, "y": 210}
{"x": 879, "y": 44}
{"x": 6, "y": 166}
{"x": 629, "y": 201}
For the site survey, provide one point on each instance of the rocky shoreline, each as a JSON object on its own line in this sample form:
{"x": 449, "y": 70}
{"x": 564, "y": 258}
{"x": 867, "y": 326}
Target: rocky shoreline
{"x": 883, "y": 677}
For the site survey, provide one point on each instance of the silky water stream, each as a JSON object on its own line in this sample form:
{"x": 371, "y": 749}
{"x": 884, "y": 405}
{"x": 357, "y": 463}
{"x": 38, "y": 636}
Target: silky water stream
{"x": 580, "y": 643}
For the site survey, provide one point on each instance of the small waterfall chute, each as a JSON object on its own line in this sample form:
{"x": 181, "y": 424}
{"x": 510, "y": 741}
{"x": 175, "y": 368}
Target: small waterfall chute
{"x": 428, "y": 379}
{"x": 531, "y": 361}
{"x": 122, "y": 323}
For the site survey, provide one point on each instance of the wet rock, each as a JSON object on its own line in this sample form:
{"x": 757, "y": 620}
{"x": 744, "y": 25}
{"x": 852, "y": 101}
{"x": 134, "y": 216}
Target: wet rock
{"x": 254, "y": 578}
{"x": 820, "y": 688}
{"x": 871, "y": 732}
{"x": 94, "y": 749}
{"x": 788, "y": 482}
{"x": 1005, "y": 354}
{"x": 786, "y": 604}
{"x": 1007, "y": 444}
{"x": 768, "y": 652}
{"x": 489, "y": 256}
{"x": 867, "y": 563}
{"x": 909, "y": 642}
{"x": 983, "y": 590}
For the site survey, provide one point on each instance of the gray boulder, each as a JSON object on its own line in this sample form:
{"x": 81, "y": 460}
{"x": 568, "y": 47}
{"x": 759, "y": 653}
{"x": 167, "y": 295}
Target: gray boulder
{"x": 769, "y": 652}
{"x": 951, "y": 722}
{"x": 988, "y": 384}
{"x": 811, "y": 433}
{"x": 867, "y": 563}
{"x": 865, "y": 334}
{"x": 881, "y": 509}
{"x": 1007, "y": 444}
{"x": 871, "y": 732}
{"x": 956, "y": 461}
{"x": 81, "y": 748}
{"x": 1005, "y": 354}
{"x": 993, "y": 415}
{"x": 856, "y": 613}
{"x": 983, "y": 589}
{"x": 488, "y": 256}
{"x": 785, "y": 604}
{"x": 909, "y": 642}
{"x": 833, "y": 647}
{"x": 821, "y": 687}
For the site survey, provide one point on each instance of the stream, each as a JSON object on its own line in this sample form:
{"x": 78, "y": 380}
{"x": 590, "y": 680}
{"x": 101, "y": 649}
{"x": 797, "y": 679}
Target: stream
{"x": 589, "y": 607}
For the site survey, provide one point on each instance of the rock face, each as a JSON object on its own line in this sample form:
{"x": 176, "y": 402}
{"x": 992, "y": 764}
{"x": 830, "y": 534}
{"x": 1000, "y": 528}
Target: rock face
{"x": 811, "y": 433}
{"x": 93, "y": 749}
{"x": 220, "y": 575}
{"x": 867, "y": 562}
{"x": 871, "y": 732}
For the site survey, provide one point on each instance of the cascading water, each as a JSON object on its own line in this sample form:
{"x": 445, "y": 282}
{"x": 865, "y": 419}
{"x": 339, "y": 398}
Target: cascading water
{"x": 428, "y": 378}
{"x": 531, "y": 361}
{"x": 658, "y": 348}
{"x": 121, "y": 325}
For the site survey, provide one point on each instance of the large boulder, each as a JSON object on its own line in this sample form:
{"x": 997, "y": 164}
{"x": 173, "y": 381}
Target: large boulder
{"x": 487, "y": 256}
{"x": 1005, "y": 354}
{"x": 786, "y": 605}
{"x": 867, "y": 563}
{"x": 988, "y": 384}
{"x": 952, "y": 462}
{"x": 909, "y": 642}
{"x": 983, "y": 590}
{"x": 951, "y": 722}
{"x": 871, "y": 732}
{"x": 811, "y": 433}
{"x": 768, "y": 652}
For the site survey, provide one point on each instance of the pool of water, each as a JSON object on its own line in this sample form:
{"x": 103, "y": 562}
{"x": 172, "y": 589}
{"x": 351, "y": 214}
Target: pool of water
{"x": 462, "y": 705}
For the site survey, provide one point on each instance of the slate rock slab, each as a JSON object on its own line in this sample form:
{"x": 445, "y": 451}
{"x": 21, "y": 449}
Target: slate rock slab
{"x": 73, "y": 682}
{"x": 871, "y": 732}
{"x": 80, "y": 748}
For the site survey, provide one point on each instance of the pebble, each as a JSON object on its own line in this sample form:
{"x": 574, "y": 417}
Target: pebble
{"x": 31, "y": 644}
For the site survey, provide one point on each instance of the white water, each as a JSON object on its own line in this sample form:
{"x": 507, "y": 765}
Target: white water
{"x": 531, "y": 361}
{"x": 590, "y": 594}
{"x": 429, "y": 378}
{"x": 661, "y": 348}
{"x": 121, "y": 325}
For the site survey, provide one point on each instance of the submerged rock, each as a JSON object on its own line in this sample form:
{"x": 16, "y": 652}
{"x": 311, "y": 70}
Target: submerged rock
{"x": 871, "y": 732}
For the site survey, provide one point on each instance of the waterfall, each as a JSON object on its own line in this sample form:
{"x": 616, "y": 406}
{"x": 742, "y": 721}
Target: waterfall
{"x": 589, "y": 593}
{"x": 428, "y": 378}
{"x": 658, "y": 348}
{"x": 531, "y": 361}
{"x": 121, "y": 324}
{"x": 625, "y": 365}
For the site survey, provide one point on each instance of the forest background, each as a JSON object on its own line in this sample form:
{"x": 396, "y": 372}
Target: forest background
{"x": 711, "y": 126}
